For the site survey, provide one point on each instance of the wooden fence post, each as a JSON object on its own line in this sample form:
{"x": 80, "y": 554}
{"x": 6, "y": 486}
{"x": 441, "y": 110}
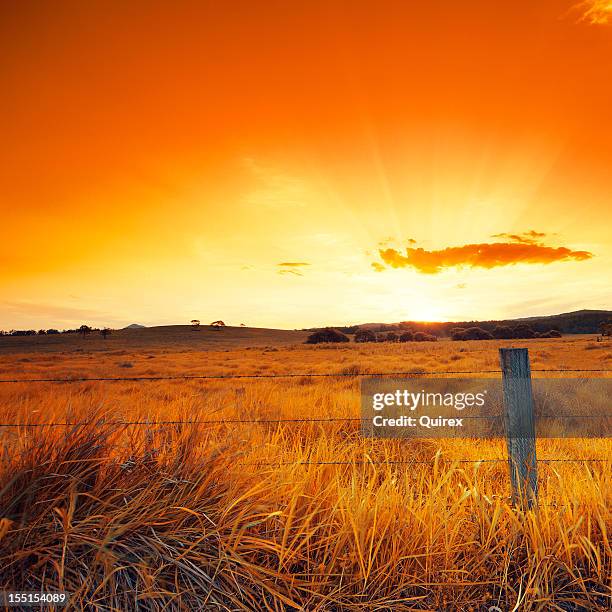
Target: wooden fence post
{"x": 520, "y": 425}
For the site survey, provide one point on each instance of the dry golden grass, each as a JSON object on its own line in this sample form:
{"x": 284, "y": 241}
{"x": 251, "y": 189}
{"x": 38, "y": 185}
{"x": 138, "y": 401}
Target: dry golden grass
{"x": 262, "y": 516}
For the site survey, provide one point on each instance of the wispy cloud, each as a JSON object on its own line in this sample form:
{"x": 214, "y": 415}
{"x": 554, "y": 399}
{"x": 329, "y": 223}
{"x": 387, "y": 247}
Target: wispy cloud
{"x": 524, "y": 248}
{"x": 595, "y": 12}
{"x": 293, "y": 272}
{"x": 530, "y": 237}
{"x": 292, "y": 267}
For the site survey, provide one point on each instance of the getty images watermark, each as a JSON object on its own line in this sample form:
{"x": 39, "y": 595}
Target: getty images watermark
{"x": 411, "y": 400}
{"x": 474, "y": 408}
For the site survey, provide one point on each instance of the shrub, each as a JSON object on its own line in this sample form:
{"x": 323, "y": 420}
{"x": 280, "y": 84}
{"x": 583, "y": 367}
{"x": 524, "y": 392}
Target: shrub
{"x": 423, "y": 337}
{"x": 391, "y": 337}
{"x": 457, "y": 333}
{"x": 326, "y": 335}
{"x": 523, "y": 331}
{"x": 472, "y": 333}
{"x": 551, "y": 333}
{"x": 365, "y": 335}
{"x": 406, "y": 337}
{"x": 503, "y": 332}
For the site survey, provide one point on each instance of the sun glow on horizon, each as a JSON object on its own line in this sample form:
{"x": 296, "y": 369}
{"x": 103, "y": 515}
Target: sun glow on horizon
{"x": 290, "y": 169}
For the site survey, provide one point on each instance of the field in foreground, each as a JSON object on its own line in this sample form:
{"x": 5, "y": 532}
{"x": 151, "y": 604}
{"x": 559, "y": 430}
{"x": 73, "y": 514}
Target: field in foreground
{"x": 229, "y": 515}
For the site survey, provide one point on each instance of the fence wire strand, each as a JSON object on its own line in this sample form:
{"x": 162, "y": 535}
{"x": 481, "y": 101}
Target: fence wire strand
{"x": 289, "y": 375}
{"x": 150, "y": 423}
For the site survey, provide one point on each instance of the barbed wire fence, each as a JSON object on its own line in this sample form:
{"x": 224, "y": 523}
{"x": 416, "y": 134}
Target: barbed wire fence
{"x": 288, "y": 421}
{"x": 282, "y": 375}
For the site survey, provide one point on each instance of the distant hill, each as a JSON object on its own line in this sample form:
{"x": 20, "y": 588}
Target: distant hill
{"x": 135, "y": 326}
{"x": 577, "y": 322}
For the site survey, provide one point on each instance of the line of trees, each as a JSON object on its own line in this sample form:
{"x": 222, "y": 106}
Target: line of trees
{"x": 502, "y": 332}
{"x": 195, "y": 324}
{"x": 83, "y": 330}
{"x": 581, "y": 322}
{"x": 367, "y": 335}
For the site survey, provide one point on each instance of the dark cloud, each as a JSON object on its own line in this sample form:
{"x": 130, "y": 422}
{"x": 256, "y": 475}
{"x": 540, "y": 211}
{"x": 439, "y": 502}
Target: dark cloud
{"x": 524, "y": 248}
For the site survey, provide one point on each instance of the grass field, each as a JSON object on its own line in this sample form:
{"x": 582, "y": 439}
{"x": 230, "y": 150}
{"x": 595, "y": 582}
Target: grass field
{"x": 300, "y": 515}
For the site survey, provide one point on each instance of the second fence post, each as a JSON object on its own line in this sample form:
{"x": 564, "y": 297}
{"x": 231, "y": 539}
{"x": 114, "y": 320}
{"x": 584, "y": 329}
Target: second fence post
{"x": 520, "y": 425}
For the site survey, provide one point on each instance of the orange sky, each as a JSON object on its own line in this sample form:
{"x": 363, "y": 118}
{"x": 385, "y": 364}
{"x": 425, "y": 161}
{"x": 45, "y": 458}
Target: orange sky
{"x": 162, "y": 161}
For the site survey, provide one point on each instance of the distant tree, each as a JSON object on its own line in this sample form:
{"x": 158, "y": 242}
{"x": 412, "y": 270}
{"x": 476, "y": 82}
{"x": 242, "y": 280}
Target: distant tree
{"x": 365, "y": 335}
{"x": 52, "y": 332}
{"x": 327, "y": 335}
{"x": 195, "y": 323}
{"x": 218, "y": 325}
{"x": 605, "y": 329}
{"x": 391, "y": 337}
{"x": 84, "y": 330}
{"x": 104, "y": 332}
{"x": 242, "y": 325}
{"x": 42, "y": 332}
{"x": 407, "y": 336}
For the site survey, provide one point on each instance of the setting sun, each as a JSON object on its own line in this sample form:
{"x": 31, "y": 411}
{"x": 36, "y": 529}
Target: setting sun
{"x": 154, "y": 174}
